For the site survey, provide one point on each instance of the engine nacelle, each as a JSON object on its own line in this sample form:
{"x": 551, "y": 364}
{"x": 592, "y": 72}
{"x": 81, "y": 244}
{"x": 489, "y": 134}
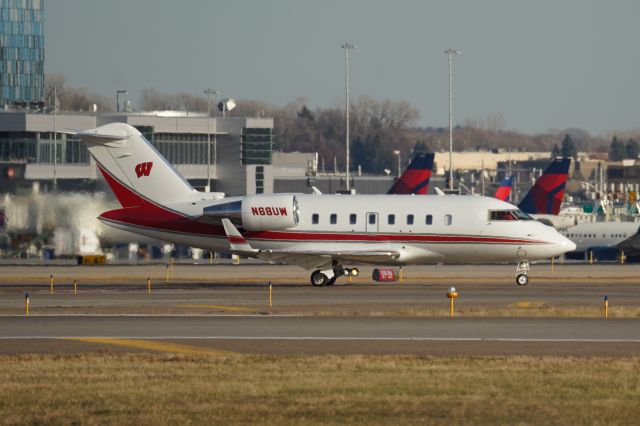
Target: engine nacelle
{"x": 265, "y": 212}
{"x": 257, "y": 212}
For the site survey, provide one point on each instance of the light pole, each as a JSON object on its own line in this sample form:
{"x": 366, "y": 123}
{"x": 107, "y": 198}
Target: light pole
{"x": 55, "y": 136}
{"x": 118, "y": 93}
{"x": 450, "y": 53}
{"x": 397, "y": 153}
{"x": 347, "y": 46}
{"x": 210, "y": 92}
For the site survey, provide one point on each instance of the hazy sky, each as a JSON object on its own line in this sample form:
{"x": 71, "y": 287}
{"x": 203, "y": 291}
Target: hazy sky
{"x": 542, "y": 64}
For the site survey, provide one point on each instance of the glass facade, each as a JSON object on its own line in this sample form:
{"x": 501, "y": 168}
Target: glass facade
{"x": 21, "y": 51}
{"x": 257, "y": 145}
{"x": 182, "y": 148}
{"x": 37, "y": 147}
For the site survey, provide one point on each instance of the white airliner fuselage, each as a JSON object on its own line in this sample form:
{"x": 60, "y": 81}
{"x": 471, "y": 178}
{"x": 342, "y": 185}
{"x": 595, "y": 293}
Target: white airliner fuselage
{"x": 598, "y": 235}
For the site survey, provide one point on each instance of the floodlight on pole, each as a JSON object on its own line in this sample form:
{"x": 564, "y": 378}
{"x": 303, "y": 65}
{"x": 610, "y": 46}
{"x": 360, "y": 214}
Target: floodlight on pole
{"x": 347, "y": 46}
{"x": 450, "y": 52}
{"x": 210, "y": 92}
{"x": 118, "y": 93}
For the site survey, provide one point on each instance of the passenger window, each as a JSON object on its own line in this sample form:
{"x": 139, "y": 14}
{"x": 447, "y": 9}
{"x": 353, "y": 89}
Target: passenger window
{"x": 352, "y": 218}
{"x": 409, "y": 219}
{"x": 391, "y": 219}
{"x": 315, "y": 218}
{"x": 372, "y": 219}
{"x": 333, "y": 219}
{"x": 429, "y": 219}
{"x": 448, "y": 219}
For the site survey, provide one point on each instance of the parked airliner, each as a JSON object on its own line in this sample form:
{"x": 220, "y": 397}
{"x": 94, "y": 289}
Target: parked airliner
{"x": 323, "y": 233}
{"x": 504, "y": 189}
{"x": 543, "y": 202}
{"x": 415, "y": 179}
{"x": 600, "y": 237}
{"x": 544, "y": 198}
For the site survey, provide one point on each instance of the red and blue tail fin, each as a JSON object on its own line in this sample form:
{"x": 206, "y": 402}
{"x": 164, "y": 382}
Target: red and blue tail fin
{"x": 546, "y": 195}
{"x": 415, "y": 179}
{"x": 504, "y": 190}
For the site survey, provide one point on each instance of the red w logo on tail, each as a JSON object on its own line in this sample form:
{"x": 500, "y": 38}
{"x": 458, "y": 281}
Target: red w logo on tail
{"x": 143, "y": 169}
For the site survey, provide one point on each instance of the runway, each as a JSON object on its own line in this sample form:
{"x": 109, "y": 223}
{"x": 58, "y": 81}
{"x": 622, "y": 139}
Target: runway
{"x": 261, "y": 334}
{"x": 225, "y": 308}
{"x": 347, "y": 328}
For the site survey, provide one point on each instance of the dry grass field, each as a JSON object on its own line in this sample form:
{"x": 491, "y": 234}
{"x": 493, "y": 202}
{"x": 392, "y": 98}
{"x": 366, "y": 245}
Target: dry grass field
{"x": 143, "y": 388}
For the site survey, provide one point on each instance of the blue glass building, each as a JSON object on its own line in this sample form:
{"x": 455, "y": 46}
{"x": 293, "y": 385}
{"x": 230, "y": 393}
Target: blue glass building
{"x": 21, "y": 51}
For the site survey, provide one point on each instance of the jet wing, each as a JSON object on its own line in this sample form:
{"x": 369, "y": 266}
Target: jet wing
{"x": 313, "y": 258}
{"x": 307, "y": 256}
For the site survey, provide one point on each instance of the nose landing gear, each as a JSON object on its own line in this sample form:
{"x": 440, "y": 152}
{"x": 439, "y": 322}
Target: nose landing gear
{"x": 521, "y": 273}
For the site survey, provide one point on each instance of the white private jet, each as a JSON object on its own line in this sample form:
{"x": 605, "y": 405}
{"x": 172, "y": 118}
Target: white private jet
{"x": 318, "y": 232}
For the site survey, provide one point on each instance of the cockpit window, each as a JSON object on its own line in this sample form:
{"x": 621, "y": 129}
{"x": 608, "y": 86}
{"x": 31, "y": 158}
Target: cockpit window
{"x": 521, "y": 215}
{"x": 495, "y": 215}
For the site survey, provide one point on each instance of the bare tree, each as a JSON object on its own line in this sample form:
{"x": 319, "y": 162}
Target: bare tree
{"x": 72, "y": 98}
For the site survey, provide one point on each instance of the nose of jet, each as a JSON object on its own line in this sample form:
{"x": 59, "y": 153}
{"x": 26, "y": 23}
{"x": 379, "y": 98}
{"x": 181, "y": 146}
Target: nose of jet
{"x": 563, "y": 244}
{"x": 567, "y": 244}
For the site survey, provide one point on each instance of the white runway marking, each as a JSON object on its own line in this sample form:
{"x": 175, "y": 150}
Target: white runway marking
{"x": 392, "y": 339}
{"x": 153, "y": 315}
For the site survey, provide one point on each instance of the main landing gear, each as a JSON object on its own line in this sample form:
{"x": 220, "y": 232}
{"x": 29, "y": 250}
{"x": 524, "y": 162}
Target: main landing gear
{"x": 521, "y": 273}
{"x": 327, "y": 277}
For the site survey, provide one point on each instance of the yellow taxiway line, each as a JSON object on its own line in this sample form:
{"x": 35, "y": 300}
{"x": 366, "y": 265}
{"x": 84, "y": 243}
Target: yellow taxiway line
{"x": 153, "y": 345}
{"x": 220, "y": 308}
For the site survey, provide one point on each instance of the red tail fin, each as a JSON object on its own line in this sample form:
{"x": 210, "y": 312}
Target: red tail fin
{"x": 415, "y": 179}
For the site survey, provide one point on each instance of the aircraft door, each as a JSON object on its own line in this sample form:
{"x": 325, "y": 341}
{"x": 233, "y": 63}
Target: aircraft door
{"x": 372, "y": 222}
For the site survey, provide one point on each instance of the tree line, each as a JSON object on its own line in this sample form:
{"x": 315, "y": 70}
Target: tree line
{"x": 377, "y": 128}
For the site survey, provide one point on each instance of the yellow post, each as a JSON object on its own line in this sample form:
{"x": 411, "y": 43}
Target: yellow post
{"x": 148, "y": 285}
{"x": 400, "y": 275}
{"x": 622, "y": 257}
{"x": 51, "y": 283}
{"x": 451, "y": 294}
{"x": 606, "y": 307}
{"x": 210, "y": 258}
{"x": 270, "y": 294}
{"x": 349, "y": 278}
{"x": 75, "y": 287}
{"x": 590, "y": 257}
{"x": 552, "y": 260}
{"x": 26, "y": 303}
{"x": 173, "y": 262}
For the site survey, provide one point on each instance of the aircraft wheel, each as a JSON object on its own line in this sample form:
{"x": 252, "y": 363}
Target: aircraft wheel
{"x": 522, "y": 279}
{"x": 318, "y": 279}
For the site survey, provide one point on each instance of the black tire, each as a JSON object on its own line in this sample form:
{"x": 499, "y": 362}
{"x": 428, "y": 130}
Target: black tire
{"x": 318, "y": 279}
{"x": 522, "y": 279}
{"x": 332, "y": 281}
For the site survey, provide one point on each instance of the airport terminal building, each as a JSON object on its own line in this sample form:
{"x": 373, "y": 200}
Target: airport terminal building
{"x": 241, "y": 149}
{"x": 244, "y": 159}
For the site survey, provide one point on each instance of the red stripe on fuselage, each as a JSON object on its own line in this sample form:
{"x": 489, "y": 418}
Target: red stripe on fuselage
{"x": 236, "y": 240}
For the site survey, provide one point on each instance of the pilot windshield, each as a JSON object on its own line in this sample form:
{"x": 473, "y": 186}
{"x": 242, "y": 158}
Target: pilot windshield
{"x": 504, "y": 215}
